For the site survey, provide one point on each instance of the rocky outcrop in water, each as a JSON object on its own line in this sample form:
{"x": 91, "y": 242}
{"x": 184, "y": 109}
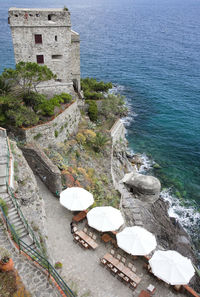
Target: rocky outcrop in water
{"x": 144, "y": 187}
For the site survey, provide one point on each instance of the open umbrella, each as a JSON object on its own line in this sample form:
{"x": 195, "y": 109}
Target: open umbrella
{"x": 76, "y": 198}
{"x": 136, "y": 241}
{"x": 105, "y": 218}
{"x": 172, "y": 267}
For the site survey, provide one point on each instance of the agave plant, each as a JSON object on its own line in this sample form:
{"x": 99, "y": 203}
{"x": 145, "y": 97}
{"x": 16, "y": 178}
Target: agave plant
{"x": 4, "y": 255}
{"x": 5, "y": 86}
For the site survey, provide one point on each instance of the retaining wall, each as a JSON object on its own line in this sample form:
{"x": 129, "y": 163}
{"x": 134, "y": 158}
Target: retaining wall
{"x": 117, "y": 131}
{"x": 43, "y": 167}
{"x": 56, "y": 130}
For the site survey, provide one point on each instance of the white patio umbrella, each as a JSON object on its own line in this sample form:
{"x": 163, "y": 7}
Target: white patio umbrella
{"x": 136, "y": 241}
{"x": 76, "y": 198}
{"x": 172, "y": 267}
{"x": 105, "y": 218}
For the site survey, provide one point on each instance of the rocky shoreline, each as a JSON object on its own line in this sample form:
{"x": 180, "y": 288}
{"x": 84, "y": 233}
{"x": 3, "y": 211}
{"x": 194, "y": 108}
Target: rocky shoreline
{"x": 142, "y": 204}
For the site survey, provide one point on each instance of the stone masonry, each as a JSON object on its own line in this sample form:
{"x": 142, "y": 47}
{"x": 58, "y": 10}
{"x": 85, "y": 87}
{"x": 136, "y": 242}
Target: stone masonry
{"x": 43, "y": 167}
{"x": 45, "y": 36}
{"x": 56, "y": 130}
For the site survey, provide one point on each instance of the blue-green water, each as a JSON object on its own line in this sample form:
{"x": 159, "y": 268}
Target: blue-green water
{"x": 150, "y": 50}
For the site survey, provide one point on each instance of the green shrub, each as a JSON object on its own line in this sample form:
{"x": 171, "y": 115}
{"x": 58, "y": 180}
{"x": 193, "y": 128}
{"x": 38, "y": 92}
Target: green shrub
{"x": 100, "y": 141}
{"x": 56, "y": 133}
{"x": 37, "y": 136}
{"x": 47, "y": 106}
{"x": 4, "y": 206}
{"x": 92, "y": 84}
{"x": 5, "y": 86}
{"x": 92, "y": 111}
{"x": 92, "y": 95}
{"x": 23, "y": 117}
{"x": 67, "y": 98}
{"x": 113, "y": 106}
{"x": 58, "y": 265}
{"x": 16, "y": 113}
{"x": 33, "y": 99}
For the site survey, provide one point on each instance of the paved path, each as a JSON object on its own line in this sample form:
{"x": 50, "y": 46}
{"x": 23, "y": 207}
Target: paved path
{"x": 34, "y": 280}
{"x": 81, "y": 269}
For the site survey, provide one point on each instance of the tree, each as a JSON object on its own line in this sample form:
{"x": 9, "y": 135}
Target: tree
{"x": 28, "y": 75}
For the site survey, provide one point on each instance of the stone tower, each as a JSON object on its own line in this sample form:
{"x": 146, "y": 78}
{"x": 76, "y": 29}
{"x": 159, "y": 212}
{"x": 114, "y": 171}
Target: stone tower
{"x": 44, "y": 36}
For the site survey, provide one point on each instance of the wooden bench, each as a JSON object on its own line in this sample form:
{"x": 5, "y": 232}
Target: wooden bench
{"x": 87, "y": 239}
{"x": 80, "y": 216}
{"x": 190, "y": 291}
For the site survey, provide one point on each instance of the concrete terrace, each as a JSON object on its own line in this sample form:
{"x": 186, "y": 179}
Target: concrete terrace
{"x": 81, "y": 269}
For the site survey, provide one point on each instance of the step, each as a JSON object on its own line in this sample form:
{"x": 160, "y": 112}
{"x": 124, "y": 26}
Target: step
{"x": 4, "y": 195}
{"x": 2, "y": 181}
{"x": 23, "y": 235}
{"x": 13, "y": 215}
{"x": 3, "y": 189}
{"x": 17, "y": 222}
{"x": 20, "y": 229}
{"x": 3, "y": 169}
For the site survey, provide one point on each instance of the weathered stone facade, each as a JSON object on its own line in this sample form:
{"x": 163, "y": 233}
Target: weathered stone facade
{"x": 45, "y": 36}
{"x": 56, "y": 130}
{"x": 43, "y": 167}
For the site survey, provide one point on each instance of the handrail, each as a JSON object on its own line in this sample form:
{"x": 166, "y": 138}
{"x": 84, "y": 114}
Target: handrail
{"x": 22, "y": 246}
{"x": 28, "y": 228}
{"x": 36, "y": 257}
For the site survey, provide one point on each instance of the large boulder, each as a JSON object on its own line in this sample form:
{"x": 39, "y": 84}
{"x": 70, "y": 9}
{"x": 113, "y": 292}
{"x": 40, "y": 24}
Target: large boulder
{"x": 144, "y": 187}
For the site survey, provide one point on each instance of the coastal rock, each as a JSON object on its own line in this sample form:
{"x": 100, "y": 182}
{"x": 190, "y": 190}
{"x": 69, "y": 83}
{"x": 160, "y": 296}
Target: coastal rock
{"x": 144, "y": 187}
{"x": 137, "y": 161}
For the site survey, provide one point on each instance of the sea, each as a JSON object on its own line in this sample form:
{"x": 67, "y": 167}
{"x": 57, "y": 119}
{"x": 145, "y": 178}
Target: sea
{"x": 150, "y": 51}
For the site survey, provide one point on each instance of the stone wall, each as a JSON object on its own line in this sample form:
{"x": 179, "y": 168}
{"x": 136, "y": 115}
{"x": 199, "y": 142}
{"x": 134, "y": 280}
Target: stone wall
{"x": 56, "y": 130}
{"x": 58, "y": 46}
{"x": 118, "y": 131}
{"x": 43, "y": 167}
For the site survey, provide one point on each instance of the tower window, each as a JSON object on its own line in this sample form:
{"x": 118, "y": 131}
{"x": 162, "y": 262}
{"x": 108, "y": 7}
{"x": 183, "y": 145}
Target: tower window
{"x": 38, "y": 38}
{"x": 56, "y": 57}
{"x": 56, "y": 38}
{"x": 40, "y": 59}
{"x": 49, "y": 17}
{"x": 37, "y": 15}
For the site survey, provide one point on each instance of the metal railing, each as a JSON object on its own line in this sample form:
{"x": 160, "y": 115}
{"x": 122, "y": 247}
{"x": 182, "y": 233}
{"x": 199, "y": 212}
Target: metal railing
{"x": 26, "y": 225}
{"x": 11, "y": 194}
{"x": 33, "y": 254}
{"x": 36, "y": 257}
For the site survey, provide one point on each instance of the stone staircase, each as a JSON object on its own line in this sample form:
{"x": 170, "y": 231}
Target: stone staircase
{"x": 127, "y": 202}
{"x": 3, "y": 161}
{"x": 14, "y": 215}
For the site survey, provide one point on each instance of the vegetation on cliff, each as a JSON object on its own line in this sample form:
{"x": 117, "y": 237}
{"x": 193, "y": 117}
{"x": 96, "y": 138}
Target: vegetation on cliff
{"x": 19, "y": 105}
{"x": 80, "y": 161}
{"x": 102, "y": 106}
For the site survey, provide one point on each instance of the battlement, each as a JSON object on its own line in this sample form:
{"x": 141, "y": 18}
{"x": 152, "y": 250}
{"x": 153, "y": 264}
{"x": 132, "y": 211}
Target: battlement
{"x": 39, "y": 17}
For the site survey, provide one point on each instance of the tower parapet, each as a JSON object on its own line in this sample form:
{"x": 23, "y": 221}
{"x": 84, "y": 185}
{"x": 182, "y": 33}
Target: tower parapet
{"x": 44, "y": 36}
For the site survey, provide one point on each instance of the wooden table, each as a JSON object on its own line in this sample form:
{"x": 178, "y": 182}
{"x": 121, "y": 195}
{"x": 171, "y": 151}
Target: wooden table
{"x": 87, "y": 239}
{"x": 108, "y": 257}
{"x": 133, "y": 277}
{"x": 106, "y": 237}
{"x": 144, "y": 294}
{"x": 80, "y": 216}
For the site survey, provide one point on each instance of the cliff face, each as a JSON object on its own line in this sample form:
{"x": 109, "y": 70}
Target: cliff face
{"x": 152, "y": 215}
